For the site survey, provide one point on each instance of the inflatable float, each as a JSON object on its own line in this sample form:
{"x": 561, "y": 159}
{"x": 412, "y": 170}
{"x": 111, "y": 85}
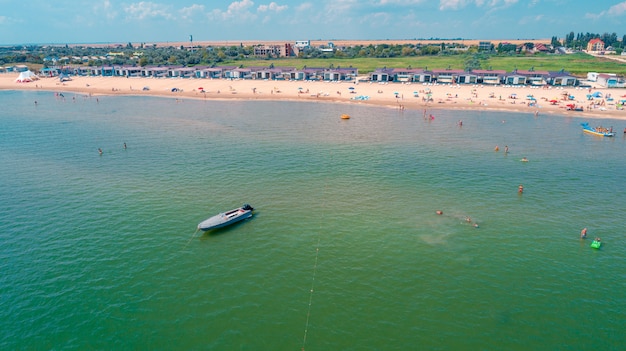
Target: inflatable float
{"x": 596, "y": 244}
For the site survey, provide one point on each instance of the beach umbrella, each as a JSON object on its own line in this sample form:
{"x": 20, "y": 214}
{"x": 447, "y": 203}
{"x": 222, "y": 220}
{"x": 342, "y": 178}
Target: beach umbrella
{"x": 597, "y": 94}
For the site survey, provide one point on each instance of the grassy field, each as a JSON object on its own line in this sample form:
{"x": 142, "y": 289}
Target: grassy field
{"x": 577, "y": 64}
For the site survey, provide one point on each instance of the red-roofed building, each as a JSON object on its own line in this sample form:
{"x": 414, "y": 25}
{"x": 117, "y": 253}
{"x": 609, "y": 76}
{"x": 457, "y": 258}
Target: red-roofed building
{"x": 595, "y": 45}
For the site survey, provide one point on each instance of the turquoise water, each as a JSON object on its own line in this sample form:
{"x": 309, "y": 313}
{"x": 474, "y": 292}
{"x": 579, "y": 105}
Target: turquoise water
{"x": 345, "y": 251}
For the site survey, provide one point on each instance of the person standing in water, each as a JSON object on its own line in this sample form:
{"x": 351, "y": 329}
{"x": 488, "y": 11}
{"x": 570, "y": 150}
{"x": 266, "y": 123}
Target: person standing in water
{"x": 583, "y": 233}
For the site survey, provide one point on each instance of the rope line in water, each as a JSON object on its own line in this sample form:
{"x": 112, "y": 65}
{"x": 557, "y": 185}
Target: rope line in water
{"x": 193, "y": 236}
{"x": 308, "y": 314}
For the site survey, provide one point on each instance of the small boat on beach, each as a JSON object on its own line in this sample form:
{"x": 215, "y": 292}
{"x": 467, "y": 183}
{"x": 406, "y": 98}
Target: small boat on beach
{"x": 599, "y": 131}
{"x": 226, "y": 218}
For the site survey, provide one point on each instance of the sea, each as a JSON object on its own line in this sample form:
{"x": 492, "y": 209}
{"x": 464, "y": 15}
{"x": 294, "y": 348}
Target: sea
{"x": 345, "y": 250}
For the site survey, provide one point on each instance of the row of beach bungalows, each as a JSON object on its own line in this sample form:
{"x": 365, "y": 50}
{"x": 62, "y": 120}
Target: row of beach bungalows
{"x": 403, "y": 75}
{"x": 218, "y": 72}
{"x": 479, "y": 76}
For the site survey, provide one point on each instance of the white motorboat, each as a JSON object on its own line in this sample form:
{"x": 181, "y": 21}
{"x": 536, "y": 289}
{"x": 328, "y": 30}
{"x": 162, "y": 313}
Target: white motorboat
{"x": 227, "y": 218}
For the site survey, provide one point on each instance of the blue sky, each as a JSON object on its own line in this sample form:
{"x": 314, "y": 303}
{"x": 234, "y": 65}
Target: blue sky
{"x": 123, "y": 21}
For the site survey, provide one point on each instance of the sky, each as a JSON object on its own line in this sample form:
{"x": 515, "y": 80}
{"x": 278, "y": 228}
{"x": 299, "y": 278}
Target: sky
{"x": 129, "y": 21}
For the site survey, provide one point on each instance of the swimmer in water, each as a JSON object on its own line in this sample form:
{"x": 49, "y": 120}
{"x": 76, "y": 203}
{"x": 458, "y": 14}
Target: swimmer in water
{"x": 520, "y": 189}
{"x": 583, "y": 233}
{"x": 100, "y": 151}
{"x": 439, "y": 212}
{"x": 524, "y": 159}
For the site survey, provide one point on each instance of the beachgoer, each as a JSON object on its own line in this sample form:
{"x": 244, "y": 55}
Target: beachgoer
{"x": 583, "y": 233}
{"x": 497, "y": 148}
{"x": 598, "y": 239}
{"x": 468, "y": 219}
{"x": 100, "y": 151}
{"x": 475, "y": 225}
{"x": 520, "y": 189}
{"x": 506, "y": 149}
{"x": 524, "y": 159}
{"x": 439, "y": 212}
{"x": 124, "y": 146}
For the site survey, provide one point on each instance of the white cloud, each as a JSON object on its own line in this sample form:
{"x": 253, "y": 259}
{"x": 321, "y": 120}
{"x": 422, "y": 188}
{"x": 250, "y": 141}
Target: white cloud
{"x": 305, "y": 6}
{"x": 377, "y": 19}
{"x": 341, "y": 5}
{"x": 237, "y": 9}
{"x": 617, "y": 10}
{"x": 240, "y": 6}
{"x": 613, "y": 11}
{"x": 145, "y": 9}
{"x": 272, "y": 7}
{"x": 187, "y": 13}
{"x": 400, "y": 2}
{"x": 459, "y": 4}
{"x": 104, "y": 9}
{"x": 452, "y": 4}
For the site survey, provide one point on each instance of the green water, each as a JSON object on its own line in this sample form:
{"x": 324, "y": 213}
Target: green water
{"x": 345, "y": 251}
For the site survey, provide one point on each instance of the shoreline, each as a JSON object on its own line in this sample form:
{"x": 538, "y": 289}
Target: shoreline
{"x": 402, "y": 96}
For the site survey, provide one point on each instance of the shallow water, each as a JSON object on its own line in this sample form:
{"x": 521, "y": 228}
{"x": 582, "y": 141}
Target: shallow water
{"x": 345, "y": 251}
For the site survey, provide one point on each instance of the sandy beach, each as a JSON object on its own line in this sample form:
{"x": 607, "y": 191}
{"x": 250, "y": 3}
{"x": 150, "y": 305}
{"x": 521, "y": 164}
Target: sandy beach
{"x": 413, "y": 96}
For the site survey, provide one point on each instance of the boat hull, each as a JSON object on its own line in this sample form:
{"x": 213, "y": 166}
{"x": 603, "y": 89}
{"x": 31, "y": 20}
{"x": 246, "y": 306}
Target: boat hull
{"x": 593, "y": 132}
{"x": 226, "y": 218}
